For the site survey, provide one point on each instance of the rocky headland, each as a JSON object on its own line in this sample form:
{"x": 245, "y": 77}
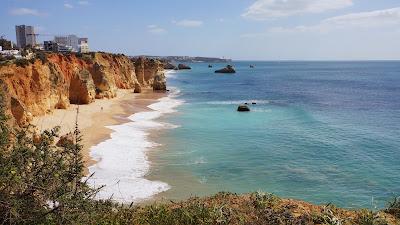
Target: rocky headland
{"x": 54, "y": 81}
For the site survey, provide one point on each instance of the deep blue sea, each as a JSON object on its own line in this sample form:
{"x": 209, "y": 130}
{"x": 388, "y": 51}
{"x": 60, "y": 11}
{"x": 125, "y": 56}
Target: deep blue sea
{"x": 324, "y": 132}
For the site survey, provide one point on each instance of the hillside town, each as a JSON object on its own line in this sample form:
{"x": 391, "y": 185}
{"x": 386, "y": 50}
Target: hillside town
{"x": 26, "y": 43}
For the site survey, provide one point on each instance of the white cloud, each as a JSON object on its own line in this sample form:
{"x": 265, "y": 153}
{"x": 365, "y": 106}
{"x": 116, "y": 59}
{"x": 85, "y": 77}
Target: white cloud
{"x": 362, "y": 20}
{"x": 270, "y": 9}
{"x": 189, "y": 23}
{"x": 26, "y": 12}
{"x": 156, "y": 29}
{"x": 68, "y": 6}
{"x": 378, "y": 18}
{"x": 365, "y": 19}
{"x": 83, "y": 2}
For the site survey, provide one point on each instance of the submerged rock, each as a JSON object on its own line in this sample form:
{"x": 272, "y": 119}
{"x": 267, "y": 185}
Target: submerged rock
{"x": 227, "y": 69}
{"x": 184, "y": 67}
{"x": 243, "y": 108}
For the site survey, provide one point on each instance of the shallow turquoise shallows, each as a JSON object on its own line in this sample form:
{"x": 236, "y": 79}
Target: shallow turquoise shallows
{"x": 319, "y": 131}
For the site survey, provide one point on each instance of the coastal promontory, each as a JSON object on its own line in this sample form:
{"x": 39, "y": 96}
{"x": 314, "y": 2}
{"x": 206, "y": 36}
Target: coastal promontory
{"x": 54, "y": 81}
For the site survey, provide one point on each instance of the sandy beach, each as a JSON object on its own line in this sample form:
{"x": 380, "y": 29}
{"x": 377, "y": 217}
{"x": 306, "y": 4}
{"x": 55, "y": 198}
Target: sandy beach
{"x": 93, "y": 118}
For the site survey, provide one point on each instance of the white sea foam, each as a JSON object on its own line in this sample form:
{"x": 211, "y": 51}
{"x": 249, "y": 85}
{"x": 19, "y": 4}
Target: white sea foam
{"x": 122, "y": 162}
{"x": 170, "y": 74}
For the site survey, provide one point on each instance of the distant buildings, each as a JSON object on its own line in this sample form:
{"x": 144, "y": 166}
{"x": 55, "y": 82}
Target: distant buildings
{"x": 72, "y": 43}
{"x": 15, "y": 53}
{"x": 50, "y": 46}
{"x": 26, "y": 36}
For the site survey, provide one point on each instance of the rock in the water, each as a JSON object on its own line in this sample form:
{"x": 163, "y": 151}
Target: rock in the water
{"x": 184, "y": 67}
{"x": 243, "y": 108}
{"x": 169, "y": 66}
{"x": 254, "y": 103}
{"x": 210, "y": 66}
{"x": 227, "y": 69}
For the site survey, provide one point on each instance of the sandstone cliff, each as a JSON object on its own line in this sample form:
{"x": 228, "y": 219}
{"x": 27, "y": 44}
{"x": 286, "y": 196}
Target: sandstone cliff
{"x": 55, "y": 81}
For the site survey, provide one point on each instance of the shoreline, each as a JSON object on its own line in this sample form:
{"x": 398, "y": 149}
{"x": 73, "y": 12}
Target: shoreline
{"x": 94, "y": 118}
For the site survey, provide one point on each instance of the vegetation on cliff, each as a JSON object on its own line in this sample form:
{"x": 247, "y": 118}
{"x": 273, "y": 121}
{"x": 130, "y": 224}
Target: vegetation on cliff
{"x": 41, "y": 182}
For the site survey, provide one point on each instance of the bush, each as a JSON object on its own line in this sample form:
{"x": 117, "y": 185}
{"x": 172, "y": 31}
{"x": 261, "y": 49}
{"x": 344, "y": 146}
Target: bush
{"x": 39, "y": 182}
{"x": 42, "y": 56}
{"x": 394, "y": 207}
{"x": 10, "y": 57}
{"x": 87, "y": 58}
{"x": 22, "y": 62}
{"x": 6, "y": 58}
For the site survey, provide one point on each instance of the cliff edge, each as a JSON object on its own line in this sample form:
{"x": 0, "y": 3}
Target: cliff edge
{"x": 54, "y": 81}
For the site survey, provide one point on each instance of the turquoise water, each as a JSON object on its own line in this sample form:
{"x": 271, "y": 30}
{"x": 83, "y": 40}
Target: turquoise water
{"x": 321, "y": 132}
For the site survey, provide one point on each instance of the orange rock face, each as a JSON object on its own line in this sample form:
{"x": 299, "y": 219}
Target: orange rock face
{"x": 61, "y": 80}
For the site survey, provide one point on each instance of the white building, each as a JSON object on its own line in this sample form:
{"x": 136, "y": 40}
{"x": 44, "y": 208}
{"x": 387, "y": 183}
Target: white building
{"x": 83, "y": 45}
{"x": 84, "y": 48}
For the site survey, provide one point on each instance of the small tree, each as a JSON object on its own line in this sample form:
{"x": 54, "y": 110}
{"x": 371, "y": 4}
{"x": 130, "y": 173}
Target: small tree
{"x": 40, "y": 181}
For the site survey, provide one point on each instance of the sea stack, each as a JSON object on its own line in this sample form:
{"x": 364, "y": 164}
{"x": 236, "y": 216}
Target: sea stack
{"x": 184, "y": 67}
{"x": 243, "y": 108}
{"x": 227, "y": 69}
{"x": 169, "y": 66}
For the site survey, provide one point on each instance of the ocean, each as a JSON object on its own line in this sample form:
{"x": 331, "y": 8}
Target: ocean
{"x": 323, "y": 132}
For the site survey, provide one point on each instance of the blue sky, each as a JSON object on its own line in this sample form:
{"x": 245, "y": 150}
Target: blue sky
{"x": 239, "y": 29}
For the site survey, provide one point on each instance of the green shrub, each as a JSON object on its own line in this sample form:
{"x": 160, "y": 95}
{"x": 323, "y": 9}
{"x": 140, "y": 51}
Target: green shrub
{"x": 22, "y": 62}
{"x": 394, "y": 207}
{"x": 10, "y": 57}
{"x": 42, "y": 56}
{"x": 264, "y": 200}
{"x": 87, "y": 58}
{"x": 39, "y": 182}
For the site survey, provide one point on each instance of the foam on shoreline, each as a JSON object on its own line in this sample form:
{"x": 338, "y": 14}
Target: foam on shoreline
{"x": 122, "y": 162}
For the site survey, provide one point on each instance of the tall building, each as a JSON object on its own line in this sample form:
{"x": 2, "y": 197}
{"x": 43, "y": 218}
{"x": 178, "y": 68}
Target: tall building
{"x": 25, "y": 36}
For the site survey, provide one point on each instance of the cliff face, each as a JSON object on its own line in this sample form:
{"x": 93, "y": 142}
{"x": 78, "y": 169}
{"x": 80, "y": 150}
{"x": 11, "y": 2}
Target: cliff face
{"x": 59, "y": 80}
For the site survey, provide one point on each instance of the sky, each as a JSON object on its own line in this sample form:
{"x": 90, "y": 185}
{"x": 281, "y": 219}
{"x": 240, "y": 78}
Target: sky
{"x": 237, "y": 29}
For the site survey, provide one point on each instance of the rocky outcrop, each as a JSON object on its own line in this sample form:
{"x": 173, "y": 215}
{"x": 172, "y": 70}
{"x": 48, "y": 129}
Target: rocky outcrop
{"x": 243, "y": 108}
{"x": 227, "y": 69}
{"x": 82, "y": 89}
{"x": 184, "y": 67}
{"x": 169, "y": 66}
{"x": 159, "y": 83}
{"x": 151, "y": 69}
{"x": 59, "y": 80}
